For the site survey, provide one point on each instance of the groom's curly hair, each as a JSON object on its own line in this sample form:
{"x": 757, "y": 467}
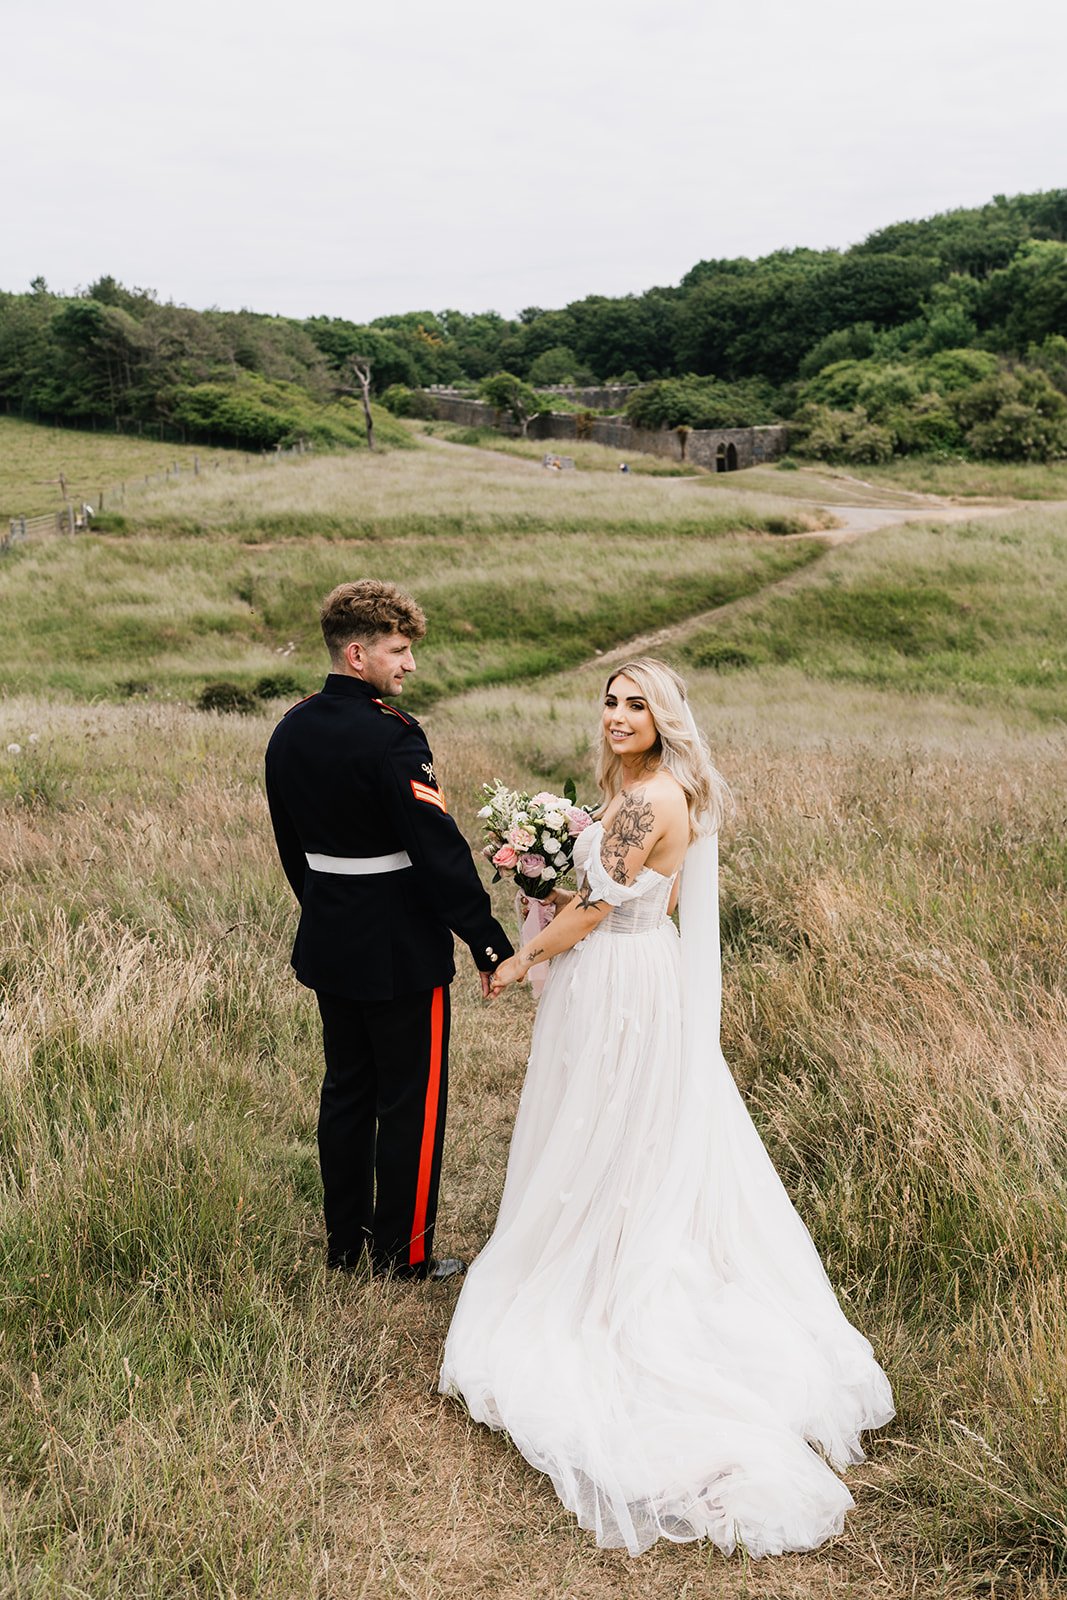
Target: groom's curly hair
{"x": 366, "y": 611}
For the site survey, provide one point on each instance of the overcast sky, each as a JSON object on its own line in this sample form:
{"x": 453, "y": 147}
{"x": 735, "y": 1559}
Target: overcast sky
{"x": 338, "y": 157}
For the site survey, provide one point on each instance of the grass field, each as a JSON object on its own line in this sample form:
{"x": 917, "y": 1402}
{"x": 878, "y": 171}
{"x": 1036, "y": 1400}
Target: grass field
{"x": 220, "y": 577}
{"x": 191, "y": 1407}
{"x": 1025, "y": 480}
{"x": 33, "y": 457}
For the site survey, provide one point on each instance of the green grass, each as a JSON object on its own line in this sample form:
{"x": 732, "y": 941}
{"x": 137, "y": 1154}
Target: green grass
{"x": 520, "y": 574}
{"x": 1023, "y": 480}
{"x": 33, "y": 456}
{"x": 973, "y": 608}
{"x": 174, "y": 613}
{"x": 113, "y": 468}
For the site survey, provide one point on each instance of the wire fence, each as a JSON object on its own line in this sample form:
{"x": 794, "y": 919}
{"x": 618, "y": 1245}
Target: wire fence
{"x": 77, "y": 516}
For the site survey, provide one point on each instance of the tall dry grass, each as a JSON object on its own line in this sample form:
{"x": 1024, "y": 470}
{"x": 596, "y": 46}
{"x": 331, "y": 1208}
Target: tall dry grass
{"x": 191, "y": 1406}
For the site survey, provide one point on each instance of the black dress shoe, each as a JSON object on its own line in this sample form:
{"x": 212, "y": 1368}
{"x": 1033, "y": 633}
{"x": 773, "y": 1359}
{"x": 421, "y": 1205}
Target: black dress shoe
{"x": 446, "y": 1267}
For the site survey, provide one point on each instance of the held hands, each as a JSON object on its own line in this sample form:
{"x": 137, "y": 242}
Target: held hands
{"x": 513, "y": 970}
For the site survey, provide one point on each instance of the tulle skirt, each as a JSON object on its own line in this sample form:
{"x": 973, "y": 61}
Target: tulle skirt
{"x": 650, "y": 1322}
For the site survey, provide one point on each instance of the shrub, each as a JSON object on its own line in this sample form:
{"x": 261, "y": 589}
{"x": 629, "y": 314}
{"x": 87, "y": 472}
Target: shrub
{"x": 225, "y": 696}
{"x": 1051, "y": 357}
{"x": 845, "y": 436}
{"x": 110, "y": 522}
{"x": 1016, "y": 416}
{"x": 277, "y": 686}
{"x": 721, "y": 657}
{"x": 405, "y": 402}
{"x": 953, "y": 370}
{"x": 695, "y": 402}
{"x": 928, "y": 425}
{"x": 836, "y": 386}
{"x": 887, "y": 388}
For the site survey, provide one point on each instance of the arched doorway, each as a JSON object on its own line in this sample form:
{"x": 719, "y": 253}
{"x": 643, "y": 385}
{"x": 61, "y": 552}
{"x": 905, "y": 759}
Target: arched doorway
{"x": 720, "y": 458}
{"x": 731, "y": 458}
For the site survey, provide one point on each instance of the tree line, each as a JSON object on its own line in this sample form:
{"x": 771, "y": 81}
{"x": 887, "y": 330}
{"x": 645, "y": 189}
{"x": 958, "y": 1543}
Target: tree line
{"x": 945, "y": 334}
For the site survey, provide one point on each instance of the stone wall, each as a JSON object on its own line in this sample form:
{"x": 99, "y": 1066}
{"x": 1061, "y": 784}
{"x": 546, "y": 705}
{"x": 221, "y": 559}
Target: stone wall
{"x": 717, "y": 449}
{"x": 469, "y": 413}
{"x": 750, "y": 447}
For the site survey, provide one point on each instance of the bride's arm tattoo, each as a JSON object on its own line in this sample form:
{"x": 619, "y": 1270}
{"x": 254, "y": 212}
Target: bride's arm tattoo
{"x": 630, "y": 827}
{"x": 585, "y": 898}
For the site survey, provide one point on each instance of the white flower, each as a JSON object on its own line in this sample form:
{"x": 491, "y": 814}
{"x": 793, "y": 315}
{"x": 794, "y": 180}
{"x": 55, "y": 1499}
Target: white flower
{"x": 14, "y": 749}
{"x": 486, "y": 811}
{"x": 34, "y": 739}
{"x": 548, "y": 873}
{"x": 561, "y": 860}
{"x": 549, "y": 846}
{"x": 554, "y": 820}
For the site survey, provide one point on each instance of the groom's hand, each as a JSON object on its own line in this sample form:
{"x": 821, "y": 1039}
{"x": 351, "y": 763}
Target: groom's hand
{"x": 486, "y": 978}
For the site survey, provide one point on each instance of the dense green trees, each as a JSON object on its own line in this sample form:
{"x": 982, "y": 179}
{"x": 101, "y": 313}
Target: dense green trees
{"x": 845, "y": 342}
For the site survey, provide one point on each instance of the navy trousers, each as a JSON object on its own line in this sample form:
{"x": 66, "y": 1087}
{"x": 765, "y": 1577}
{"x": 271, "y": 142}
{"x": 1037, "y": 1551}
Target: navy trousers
{"x": 381, "y": 1127}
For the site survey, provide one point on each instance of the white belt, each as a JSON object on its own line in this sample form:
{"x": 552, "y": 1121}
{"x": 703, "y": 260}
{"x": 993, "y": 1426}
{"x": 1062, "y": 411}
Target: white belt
{"x": 356, "y": 866}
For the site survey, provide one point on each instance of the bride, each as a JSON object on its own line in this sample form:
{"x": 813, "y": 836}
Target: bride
{"x": 650, "y": 1322}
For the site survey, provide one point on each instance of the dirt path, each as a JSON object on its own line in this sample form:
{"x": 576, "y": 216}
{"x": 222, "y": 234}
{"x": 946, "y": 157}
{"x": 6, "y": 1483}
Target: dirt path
{"x": 854, "y": 522}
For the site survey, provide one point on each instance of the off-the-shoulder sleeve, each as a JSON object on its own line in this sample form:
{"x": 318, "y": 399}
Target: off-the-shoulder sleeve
{"x": 606, "y": 890}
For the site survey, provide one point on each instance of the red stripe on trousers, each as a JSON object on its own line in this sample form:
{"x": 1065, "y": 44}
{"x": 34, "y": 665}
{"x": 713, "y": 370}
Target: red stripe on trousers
{"x": 429, "y": 1129}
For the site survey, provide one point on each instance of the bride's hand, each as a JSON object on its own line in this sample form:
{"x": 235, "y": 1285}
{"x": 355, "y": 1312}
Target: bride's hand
{"x": 510, "y": 971}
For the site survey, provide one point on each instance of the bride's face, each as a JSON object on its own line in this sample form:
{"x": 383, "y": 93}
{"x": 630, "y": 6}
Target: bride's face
{"x": 628, "y": 723}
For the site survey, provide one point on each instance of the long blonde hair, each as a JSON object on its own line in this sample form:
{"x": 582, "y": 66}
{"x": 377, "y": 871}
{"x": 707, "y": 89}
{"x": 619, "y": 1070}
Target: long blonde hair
{"x": 682, "y": 748}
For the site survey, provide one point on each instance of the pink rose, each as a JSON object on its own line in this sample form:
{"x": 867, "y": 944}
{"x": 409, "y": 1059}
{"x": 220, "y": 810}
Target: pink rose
{"x": 543, "y": 799}
{"x": 531, "y": 866}
{"x": 577, "y": 821}
{"x": 505, "y": 858}
{"x": 522, "y": 838}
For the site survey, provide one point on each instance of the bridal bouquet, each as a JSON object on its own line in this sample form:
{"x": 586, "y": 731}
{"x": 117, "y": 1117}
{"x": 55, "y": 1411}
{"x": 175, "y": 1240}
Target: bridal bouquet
{"x": 531, "y": 837}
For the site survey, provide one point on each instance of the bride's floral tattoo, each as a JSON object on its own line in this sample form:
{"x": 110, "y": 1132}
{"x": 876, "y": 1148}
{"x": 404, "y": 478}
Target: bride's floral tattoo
{"x": 630, "y": 827}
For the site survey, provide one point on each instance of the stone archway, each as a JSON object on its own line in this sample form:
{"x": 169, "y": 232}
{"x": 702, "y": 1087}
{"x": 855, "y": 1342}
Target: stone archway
{"x": 731, "y": 458}
{"x": 720, "y": 458}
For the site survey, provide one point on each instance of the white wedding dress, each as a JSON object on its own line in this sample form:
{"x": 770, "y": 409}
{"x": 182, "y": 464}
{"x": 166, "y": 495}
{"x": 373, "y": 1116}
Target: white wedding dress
{"x": 650, "y": 1322}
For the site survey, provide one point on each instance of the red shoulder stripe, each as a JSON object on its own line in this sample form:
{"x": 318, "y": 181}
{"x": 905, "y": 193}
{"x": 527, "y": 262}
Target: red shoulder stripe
{"x": 303, "y": 702}
{"x": 393, "y": 712}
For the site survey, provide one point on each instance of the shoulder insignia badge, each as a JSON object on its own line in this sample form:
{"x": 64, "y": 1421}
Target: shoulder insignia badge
{"x": 392, "y": 711}
{"x": 431, "y": 797}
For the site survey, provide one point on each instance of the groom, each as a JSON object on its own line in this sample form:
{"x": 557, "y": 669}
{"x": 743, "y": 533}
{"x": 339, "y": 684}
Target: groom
{"x": 382, "y": 874}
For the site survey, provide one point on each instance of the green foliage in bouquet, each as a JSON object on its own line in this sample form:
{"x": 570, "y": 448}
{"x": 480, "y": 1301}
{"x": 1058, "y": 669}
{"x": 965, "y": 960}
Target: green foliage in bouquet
{"x": 530, "y": 838}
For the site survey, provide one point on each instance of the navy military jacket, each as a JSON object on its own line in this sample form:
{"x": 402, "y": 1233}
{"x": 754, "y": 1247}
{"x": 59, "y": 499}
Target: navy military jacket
{"x": 349, "y": 775}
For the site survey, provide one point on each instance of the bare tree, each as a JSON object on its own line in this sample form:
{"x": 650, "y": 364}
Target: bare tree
{"x": 361, "y": 366}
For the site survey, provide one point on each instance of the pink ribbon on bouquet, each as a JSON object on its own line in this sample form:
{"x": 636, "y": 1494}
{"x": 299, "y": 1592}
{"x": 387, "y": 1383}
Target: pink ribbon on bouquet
{"x": 534, "y": 921}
